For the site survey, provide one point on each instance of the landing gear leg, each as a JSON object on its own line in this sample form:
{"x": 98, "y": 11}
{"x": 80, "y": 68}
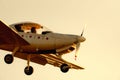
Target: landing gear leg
{"x": 29, "y": 69}
{"x": 9, "y": 57}
{"x": 15, "y": 50}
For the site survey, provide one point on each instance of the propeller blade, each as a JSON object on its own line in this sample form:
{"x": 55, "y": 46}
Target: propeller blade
{"x": 77, "y": 48}
{"x": 82, "y": 32}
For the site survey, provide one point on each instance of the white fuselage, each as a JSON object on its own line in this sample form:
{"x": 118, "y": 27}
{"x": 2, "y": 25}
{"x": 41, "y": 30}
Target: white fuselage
{"x": 48, "y": 41}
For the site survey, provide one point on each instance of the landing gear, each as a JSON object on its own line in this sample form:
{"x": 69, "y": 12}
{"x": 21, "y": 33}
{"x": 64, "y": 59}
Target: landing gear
{"x": 8, "y": 59}
{"x": 28, "y": 70}
{"x": 64, "y": 68}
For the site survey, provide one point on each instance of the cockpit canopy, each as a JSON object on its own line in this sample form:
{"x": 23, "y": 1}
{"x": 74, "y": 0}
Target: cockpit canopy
{"x": 30, "y": 27}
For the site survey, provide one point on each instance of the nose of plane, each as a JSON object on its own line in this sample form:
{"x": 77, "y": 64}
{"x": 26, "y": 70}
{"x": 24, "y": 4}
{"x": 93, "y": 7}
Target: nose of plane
{"x": 81, "y": 38}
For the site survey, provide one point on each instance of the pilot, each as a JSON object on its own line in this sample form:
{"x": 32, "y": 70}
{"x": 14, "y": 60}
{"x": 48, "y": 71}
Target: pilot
{"x": 33, "y": 30}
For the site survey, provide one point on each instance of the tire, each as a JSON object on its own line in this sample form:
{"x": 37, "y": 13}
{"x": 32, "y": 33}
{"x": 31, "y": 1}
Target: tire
{"x": 8, "y": 59}
{"x": 64, "y": 68}
{"x": 28, "y": 70}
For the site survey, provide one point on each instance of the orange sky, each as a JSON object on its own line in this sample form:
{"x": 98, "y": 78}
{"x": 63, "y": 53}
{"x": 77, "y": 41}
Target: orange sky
{"x": 99, "y": 54}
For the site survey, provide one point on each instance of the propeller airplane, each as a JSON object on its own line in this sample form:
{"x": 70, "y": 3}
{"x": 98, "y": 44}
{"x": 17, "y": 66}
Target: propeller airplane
{"x": 29, "y": 41}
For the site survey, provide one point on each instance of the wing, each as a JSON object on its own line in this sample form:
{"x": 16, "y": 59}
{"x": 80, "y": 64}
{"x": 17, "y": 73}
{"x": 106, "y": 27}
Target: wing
{"x": 58, "y": 61}
{"x": 9, "y": 38}
{"x": 44, "y": 59}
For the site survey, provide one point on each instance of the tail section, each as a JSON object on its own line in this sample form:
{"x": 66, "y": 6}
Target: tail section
{"x": 9, "y": 37}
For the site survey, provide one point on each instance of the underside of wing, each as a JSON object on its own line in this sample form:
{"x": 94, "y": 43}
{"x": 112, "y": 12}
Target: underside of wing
{"x": 44, "y": 59}
{"x": 35, "y": 58}
{"x": 9, "y": 39}
{"x": 58, "y": 61}
{"x": 8, "y": 36}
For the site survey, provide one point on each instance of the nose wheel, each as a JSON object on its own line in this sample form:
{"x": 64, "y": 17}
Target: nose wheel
{"x": 28, "y": 70}
{"x": 64, "y": 68}
{"x": 8, "y": 59}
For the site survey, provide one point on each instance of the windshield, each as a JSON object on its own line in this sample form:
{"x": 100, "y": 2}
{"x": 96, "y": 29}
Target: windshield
{"x": 44, "y": 30}
{"x": 29, "y": 27}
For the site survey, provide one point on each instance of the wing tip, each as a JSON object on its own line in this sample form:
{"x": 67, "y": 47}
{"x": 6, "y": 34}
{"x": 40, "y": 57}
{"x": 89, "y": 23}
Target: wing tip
{"x": 82, "y": 68}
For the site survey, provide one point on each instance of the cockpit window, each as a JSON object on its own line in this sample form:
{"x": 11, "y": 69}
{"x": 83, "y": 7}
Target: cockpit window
{"x": 30, "y": 27}
{"x": 18, "y": 28}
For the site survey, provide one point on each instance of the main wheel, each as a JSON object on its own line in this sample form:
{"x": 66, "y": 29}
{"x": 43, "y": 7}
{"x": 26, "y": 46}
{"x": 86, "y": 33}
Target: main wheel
{"x": 8, "y": 58}
{"x": 28, "y": 70}
{"x": 64, "y": 68}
